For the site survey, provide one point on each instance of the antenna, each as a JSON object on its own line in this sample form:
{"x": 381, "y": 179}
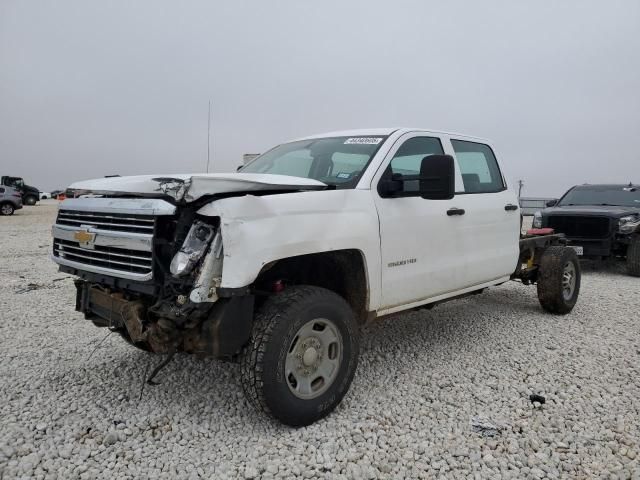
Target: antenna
{"x": 208, "y": 136}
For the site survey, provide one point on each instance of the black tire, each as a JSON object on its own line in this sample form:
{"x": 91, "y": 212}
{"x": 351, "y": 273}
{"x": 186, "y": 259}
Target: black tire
{"x": 554, "y": 293}
{"x": 275, "y": 338}
{"x": 6, "y": 209}
{"x": 30, "y": 200}
{"x": 633, "y": 256}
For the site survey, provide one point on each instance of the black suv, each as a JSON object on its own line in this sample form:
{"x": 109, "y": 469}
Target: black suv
{"x": 599, "y": 220}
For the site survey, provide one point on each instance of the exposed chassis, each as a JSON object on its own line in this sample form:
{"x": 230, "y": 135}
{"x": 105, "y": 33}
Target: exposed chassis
{"x": 531, "y": 249}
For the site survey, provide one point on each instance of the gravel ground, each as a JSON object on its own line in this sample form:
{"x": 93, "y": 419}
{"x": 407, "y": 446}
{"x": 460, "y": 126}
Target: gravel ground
{"x": 65, "y": 413}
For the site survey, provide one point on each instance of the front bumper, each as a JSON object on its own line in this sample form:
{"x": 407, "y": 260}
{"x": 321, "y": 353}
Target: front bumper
{"x": 591, "y": 247}
{"x": 606, "y": 247}
{"x": 219, "y": 330}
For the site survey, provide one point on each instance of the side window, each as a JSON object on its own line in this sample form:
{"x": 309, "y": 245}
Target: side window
{"x": 478, "y": 166}
{"x": 408, "y": 158}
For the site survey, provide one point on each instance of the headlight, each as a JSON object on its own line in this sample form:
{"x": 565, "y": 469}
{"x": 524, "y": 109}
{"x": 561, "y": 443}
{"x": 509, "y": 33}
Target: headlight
{"x": 193, "y": 249}
{"x": 537, "y": 220}
{"x": 629, "y": 223}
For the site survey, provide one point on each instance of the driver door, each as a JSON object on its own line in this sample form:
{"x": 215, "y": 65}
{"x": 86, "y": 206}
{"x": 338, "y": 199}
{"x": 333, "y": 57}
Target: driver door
{"x": 420, "y": 238}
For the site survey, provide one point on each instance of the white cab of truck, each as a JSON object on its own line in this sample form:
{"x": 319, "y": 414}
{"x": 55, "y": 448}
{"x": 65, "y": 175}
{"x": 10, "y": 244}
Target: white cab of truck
{"x": 277, "y": 265}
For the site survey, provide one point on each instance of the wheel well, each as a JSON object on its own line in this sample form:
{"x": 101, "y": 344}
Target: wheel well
{"x": 341, "y": 271}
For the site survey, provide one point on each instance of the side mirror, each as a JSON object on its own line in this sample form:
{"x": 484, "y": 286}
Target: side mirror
{"x": 436, "y": 180}
{"x": 552, "y": 203}
{"x": 391, "y": 187}
{"x": 239, "y": 167}
{"x": 437, "y": 177}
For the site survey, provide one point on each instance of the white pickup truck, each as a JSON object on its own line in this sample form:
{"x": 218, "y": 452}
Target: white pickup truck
{"x": 278, "y": 265}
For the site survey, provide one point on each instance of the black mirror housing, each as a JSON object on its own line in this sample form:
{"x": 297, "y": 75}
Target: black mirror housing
{"x": 390, "y": 187}
{"x": 552, "y": 203}
{"x": 436, "y": 180}
{"x": 437, "y": 177}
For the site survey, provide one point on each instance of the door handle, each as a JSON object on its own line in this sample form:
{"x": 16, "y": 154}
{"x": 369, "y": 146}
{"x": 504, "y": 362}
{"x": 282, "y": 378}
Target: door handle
{"x": 455, "y": 211}
{"x": 510, "y": 207}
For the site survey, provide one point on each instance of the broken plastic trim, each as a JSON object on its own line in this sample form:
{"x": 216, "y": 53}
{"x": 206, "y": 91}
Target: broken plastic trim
{"x": 210, "y": 277}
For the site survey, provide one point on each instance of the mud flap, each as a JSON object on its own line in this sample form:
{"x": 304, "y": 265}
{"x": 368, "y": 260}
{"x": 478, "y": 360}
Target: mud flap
{"x": 225, "y": 331}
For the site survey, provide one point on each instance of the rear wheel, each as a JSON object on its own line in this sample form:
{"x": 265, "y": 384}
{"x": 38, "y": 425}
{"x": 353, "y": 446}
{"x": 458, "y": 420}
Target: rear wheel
{"x": 6, "y": 209}
{"x": 633, "y": 257}
{"x": 559, "y": 280}
{"x": 30, "y": 200}
{"x": 302, "y": 355}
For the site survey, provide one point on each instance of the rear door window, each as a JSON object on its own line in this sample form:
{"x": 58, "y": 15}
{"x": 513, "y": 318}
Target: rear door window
{"x": 478, "y": 166}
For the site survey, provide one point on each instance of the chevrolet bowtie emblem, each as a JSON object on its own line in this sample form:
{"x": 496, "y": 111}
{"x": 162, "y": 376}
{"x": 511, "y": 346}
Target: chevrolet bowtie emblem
{"x": 84, "y": 238}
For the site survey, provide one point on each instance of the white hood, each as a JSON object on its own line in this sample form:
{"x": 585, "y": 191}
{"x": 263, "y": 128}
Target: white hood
{"x": 190, "y": 187}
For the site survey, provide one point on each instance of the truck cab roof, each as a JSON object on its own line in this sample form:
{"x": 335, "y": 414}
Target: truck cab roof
{"x": 387, "y": 131}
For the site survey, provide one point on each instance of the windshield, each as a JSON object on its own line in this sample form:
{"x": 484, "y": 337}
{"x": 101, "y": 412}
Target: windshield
{"x": 337, "y": 161}
{"x": 603, "y": 195}
{"x": 14, "y": 181}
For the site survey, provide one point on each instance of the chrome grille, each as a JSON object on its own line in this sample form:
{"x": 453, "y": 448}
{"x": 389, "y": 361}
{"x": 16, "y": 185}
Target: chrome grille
{"x": 108, "y": 236}
{"x": 118, "y": 222}
{"x": 120, "y": 259}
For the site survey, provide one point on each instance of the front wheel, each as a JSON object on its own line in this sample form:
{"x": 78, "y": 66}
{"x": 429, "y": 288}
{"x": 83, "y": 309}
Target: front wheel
{"x": 302, "y": 355}
{"x": 6, "y": 209}
{"x": 633, "y": 256}
{"x": 559, "y": 280}
{"x": 30, "y": 200}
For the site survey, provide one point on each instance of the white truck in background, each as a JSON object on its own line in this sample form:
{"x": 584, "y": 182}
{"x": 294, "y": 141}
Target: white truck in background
{"x": 276, "y": 266}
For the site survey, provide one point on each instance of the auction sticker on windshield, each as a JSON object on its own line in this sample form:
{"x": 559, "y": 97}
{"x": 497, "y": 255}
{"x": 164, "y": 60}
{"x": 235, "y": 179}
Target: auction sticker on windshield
{"x": 363, "y": 141}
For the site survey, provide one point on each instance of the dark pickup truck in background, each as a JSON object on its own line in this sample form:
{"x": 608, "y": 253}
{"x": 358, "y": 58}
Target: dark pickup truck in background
{"x": 600, "y": 221}
{"x": 30, "y": 195}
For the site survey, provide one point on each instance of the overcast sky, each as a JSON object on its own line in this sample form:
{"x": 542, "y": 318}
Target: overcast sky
{"x": 92, "y": 88}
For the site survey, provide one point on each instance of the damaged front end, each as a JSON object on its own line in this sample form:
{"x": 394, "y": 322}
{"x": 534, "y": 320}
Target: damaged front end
{"x": 151, "y": 271}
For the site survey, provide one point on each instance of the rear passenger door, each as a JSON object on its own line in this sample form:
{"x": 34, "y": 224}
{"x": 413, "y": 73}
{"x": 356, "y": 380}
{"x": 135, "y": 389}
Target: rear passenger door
{"x": 491, "y": 231}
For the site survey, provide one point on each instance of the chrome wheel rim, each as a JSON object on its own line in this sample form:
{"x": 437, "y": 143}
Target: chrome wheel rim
{"x": 568, "y": 280}
{"x": 314, "y": 358}
{"x": 6, "y": 209}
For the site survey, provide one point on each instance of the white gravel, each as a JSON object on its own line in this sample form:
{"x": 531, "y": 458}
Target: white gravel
{"x": 422, "y": 377}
